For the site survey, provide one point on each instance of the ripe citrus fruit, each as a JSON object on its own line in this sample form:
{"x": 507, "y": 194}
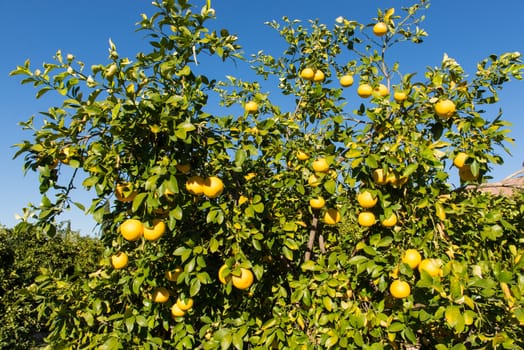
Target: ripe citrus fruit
{"x": 160, "y": 295}
{"x": 366, "y": 219}
{"x": 366, "y": 199}
{"x": 301, "y": 155}
{"x": 176, "y": 311}
{"x": 445, "y": 108}
{"x": 313, "y": 180}
{"x": 332, "y": 216}
{"x": 379, "y": 177}
{"x": 172, "y": 275}
{"x": 131, "y": 229}
{"x": 321, "y": 165}
{"x": 380, "y": 91}
{"x": 319, "y": 76}
{"x": 460, "y": 159}
{"x": 213, "y": 187}
{"x": 119, "y": 260}
{"x": 390, "y": 221}
{"x": 317, "y": 203}
{"x": 124, "y": 192}
{"x": 466, "y": 174}
{"x": 346, "y": 80}
{"x": 155, "y": 232}
{"x": 245, "y": 280}
{"x": 400, "y": 289}
{"x": 307, "y": 73}
{"x": 364, "y": 90}
{"x": 411, "y": 257}
{"x": 184, "y": 305}
{"x": 380, "y": 28}
{"x": 251, "y": 107}
{"x": 194, "y": 185}
{"x": 430, "y": 266}
{"x": 400, "y": 96}
{"x": 223, "y": 279}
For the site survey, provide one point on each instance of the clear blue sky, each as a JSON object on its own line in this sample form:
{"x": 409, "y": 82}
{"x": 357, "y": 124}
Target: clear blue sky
{"x": 466, "y": 30}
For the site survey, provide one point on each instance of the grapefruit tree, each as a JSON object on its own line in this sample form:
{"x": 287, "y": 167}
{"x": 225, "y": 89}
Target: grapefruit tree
{"x": 231, "y": 188}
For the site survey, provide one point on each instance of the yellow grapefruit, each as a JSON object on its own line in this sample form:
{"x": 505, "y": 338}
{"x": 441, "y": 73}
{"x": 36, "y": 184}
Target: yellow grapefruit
{"x": 380, "y": 28}
{"x": 119, "y": 260}
{"x": 160, "y": 295}
{"x": 411, "y": 257}
{"x": 366, "y": 199}
{"x": 155, "y": 232}
{"x": 366, "y": 219}
{"x": 131, "y": 229}
{"x": 194, "y": 185}
{"x": 244, "y": 281}
{"x": 213, "y": 187}
{"x": 445, "y": 108}
{"x": 400, "y": 289}
{"x": 332, "y": 216}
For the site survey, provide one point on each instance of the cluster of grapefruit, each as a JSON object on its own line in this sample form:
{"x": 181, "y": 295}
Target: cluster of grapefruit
{"x": 401, "y": 289}
{"x": 320, "y": 167}
{"x": 366, "y": 218}
{"x": 241, "y": 278}
{"x": 133, "y": 230}
{"x": 465, "y": 172}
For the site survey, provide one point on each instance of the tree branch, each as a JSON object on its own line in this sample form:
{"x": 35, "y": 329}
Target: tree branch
{"x": 312, "y": 234}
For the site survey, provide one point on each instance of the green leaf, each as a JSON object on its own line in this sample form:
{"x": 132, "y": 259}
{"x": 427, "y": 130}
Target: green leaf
{"x": 240, "y": 157}
{"x": 177, "y": 213}
{"x": 213, "y": 245}
{"x": 408, "y": 333}
{"x": 41, "y": 278}
{"x": 454, "y": 318}
{"x": 410, "y": 169}
{"x": 331, "y": 341}
{"x": 90, "y": 181}
{"x": 309, "y": 265}
{"x": 288, "y": 254}
{"x": 137, "y": 283}
{"x": 330, "y": 186}
{"x": 141, "y": 321}
{"x": 137, "y": 201}
{"x": 396, "y": 327}
{"x": 357, "y": 260}
{"x": 111, "y": 344}
{"x": 328, "y": 303}
{"x": 291, "y": 244}
{"x": 194, "y": 287}
{"x": 290, "y": 226}
{"x": 42, "y": 91}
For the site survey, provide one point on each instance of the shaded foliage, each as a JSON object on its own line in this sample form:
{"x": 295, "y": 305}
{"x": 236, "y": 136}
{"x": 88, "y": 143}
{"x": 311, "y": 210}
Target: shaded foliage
{"x": 25, "y": 256}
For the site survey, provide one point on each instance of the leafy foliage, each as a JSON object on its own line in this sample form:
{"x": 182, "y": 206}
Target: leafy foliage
{"x": 24, "y": 258}
{"x": 148, "y": 123}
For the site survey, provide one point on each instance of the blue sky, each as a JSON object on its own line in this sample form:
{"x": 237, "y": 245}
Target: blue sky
{"x": 33, "y": 29}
